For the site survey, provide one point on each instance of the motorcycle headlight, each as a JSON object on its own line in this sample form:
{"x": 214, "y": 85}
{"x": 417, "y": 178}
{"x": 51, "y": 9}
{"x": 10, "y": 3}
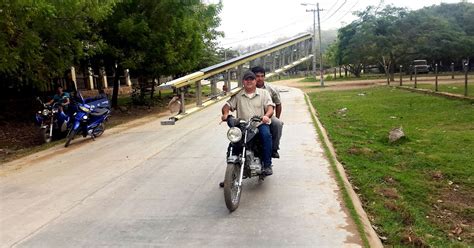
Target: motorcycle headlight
{"x": 234, "y": 134}
{"x": 84, "y": 109}
{"x": 45, "y": 111}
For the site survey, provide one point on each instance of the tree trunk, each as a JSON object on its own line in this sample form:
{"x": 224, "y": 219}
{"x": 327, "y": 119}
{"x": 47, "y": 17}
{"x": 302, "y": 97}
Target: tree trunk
{"x": 355, "y": 69}
{"x": 392, "y": 67}
{"x": 116, "y": 87}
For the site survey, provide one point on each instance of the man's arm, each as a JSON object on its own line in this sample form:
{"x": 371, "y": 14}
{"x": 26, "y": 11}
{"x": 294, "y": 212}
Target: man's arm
{"x": 278, "y": 111}
{"x": 225, "y": 112}
{"x": 268, "y": 114}
{"x": 276, "y": 99}
{"x": 67, "y": 101}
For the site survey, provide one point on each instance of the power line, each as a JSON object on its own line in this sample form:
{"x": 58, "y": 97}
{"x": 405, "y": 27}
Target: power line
{"x": 266, "y": 33}
{"x": 348, "y": 11}
{"x": 329, "y": 10}
{"x": 345, "y": 1}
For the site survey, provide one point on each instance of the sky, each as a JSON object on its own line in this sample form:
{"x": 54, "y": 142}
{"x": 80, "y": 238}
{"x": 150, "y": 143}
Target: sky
{"x": 247, "y": 22}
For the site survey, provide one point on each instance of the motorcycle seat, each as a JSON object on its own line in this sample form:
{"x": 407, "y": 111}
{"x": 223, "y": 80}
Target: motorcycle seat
{"x": 99, "y": 112}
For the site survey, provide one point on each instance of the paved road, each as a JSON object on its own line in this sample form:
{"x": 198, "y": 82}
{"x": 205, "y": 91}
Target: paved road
{"x": 153, "y": 185}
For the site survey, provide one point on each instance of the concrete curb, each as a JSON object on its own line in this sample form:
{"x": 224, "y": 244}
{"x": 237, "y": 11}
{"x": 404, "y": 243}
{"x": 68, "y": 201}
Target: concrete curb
{"x": 370, "y": 233}
{"x": 436, "y": 93}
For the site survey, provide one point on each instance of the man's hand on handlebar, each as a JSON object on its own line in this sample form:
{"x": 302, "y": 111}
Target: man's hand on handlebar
{"x": 265, "y": 119}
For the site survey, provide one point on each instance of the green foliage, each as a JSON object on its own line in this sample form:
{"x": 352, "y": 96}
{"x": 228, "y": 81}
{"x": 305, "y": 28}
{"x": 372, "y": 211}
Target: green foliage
{"x": 41, "y": 39}
{"x": 442, "y": 33}
{"x": 167, "y": 37}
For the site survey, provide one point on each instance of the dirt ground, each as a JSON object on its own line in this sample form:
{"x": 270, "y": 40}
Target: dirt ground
{"x": 309, "y": 87}
{"x": 20, "y": 138}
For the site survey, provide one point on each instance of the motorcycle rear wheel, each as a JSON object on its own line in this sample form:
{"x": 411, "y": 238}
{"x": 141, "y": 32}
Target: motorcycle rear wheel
{"x": 99, "y": 130}
{"x": 70, "y": 137}
{"x": 232, "y": 190}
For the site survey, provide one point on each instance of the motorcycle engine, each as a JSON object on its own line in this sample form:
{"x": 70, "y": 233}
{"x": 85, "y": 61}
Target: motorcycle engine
{"x": 254, "y": 163}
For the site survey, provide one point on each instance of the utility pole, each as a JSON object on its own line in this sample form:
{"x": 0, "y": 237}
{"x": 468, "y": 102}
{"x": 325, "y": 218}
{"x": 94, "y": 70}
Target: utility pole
{"x": 314, "y": 41}
{"x": 320, "y": 48}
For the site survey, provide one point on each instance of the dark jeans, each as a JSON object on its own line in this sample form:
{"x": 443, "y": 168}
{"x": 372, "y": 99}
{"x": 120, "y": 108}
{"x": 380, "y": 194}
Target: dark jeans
{"x": 265, "y": 135}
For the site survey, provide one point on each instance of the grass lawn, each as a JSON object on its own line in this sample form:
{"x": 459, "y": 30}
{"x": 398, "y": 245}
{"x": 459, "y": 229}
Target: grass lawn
{"x": 457, "y": 88}
{"x": 420, "y": 190}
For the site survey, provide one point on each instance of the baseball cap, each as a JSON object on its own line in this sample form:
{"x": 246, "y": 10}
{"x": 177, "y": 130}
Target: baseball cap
{"x": 248, "y": 74}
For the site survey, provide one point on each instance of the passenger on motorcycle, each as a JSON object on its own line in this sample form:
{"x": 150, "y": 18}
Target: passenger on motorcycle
{"x": 276, "y": 125}
{"x": 249, "y": 102}
{"x": 61, "y": 97}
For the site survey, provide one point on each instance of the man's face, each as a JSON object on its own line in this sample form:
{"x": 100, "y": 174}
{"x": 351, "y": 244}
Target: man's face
{"x": 249, "y": 84}
{"x": 60, "y": 91}
{"x": 260, "y": 78}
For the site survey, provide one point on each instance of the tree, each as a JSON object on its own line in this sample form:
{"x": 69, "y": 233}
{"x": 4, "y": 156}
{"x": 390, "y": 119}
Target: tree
{"x": 156, "y": 38}
{"x": 395, "y": 36}
{"x": 42, "y": 39}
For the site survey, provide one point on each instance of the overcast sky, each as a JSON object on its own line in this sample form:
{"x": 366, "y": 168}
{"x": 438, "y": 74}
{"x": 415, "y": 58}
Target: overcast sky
{"x": 246, "y": 22}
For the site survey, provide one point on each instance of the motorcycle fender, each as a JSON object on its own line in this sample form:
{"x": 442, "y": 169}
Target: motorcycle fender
{"x": 233, "y": 159}
{"x": 94, "y": 124}
{"x": 76, "y": 125}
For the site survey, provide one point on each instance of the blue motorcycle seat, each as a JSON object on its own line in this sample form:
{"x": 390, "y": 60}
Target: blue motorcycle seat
{"x": 99, "y": 111}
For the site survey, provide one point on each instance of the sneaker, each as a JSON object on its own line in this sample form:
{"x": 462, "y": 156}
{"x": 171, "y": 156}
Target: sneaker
{"x": 268, "y": 171}
{"x": 275, "y": 154}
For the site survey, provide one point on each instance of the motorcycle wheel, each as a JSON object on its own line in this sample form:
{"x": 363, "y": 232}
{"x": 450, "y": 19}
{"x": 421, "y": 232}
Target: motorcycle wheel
{"x": 99, "y": 130}
{"x": 44, "y": 132}
{"x": 70, "y": 137}
{"x": 232, "y": 190}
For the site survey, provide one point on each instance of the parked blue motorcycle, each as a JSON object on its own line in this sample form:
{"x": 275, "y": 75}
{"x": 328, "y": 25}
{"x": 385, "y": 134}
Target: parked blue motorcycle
{"x": 89, "y": 118}
{"x": 52, "y": 121}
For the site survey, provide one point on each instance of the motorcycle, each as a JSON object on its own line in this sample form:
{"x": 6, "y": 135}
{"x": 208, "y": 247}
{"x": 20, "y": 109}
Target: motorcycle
{"x": 244, "y": 158}
{"x": 52, "y": 121}
{"x": 89, "y": 118}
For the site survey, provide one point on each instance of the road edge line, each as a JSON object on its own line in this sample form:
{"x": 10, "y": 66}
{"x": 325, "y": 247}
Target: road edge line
{"x": 364, "y": 227}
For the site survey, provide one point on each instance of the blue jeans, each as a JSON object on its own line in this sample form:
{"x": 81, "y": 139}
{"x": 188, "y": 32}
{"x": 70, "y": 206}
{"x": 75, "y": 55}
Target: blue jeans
{"x": 266, "y": 137}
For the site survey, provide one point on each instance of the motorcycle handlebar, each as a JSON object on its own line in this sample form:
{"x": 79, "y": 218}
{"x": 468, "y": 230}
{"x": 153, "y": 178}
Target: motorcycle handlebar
{"x": 232, "y": 121}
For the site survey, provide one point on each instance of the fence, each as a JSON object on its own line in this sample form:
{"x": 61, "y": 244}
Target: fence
{"x": 451, "y": 77}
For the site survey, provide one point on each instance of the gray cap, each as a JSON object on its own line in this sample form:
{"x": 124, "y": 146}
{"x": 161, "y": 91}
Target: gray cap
{"x": 249, "y": 74}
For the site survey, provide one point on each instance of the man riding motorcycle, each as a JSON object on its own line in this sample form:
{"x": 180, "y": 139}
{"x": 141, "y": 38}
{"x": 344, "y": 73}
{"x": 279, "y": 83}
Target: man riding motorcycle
{"x": 249, "y": 102}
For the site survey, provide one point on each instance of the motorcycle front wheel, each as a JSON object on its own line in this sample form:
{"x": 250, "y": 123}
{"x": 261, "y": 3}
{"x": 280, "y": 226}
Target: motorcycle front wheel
{"x": 70, "y": 137}
{"x": 232, "y": 190}
{"x": 44, "y": 132}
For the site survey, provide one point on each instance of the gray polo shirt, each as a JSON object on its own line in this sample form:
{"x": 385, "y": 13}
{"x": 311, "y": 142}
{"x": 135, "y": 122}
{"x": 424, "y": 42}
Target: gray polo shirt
{"x": 249, "y": 106}
{"x": 273, "y": 93}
